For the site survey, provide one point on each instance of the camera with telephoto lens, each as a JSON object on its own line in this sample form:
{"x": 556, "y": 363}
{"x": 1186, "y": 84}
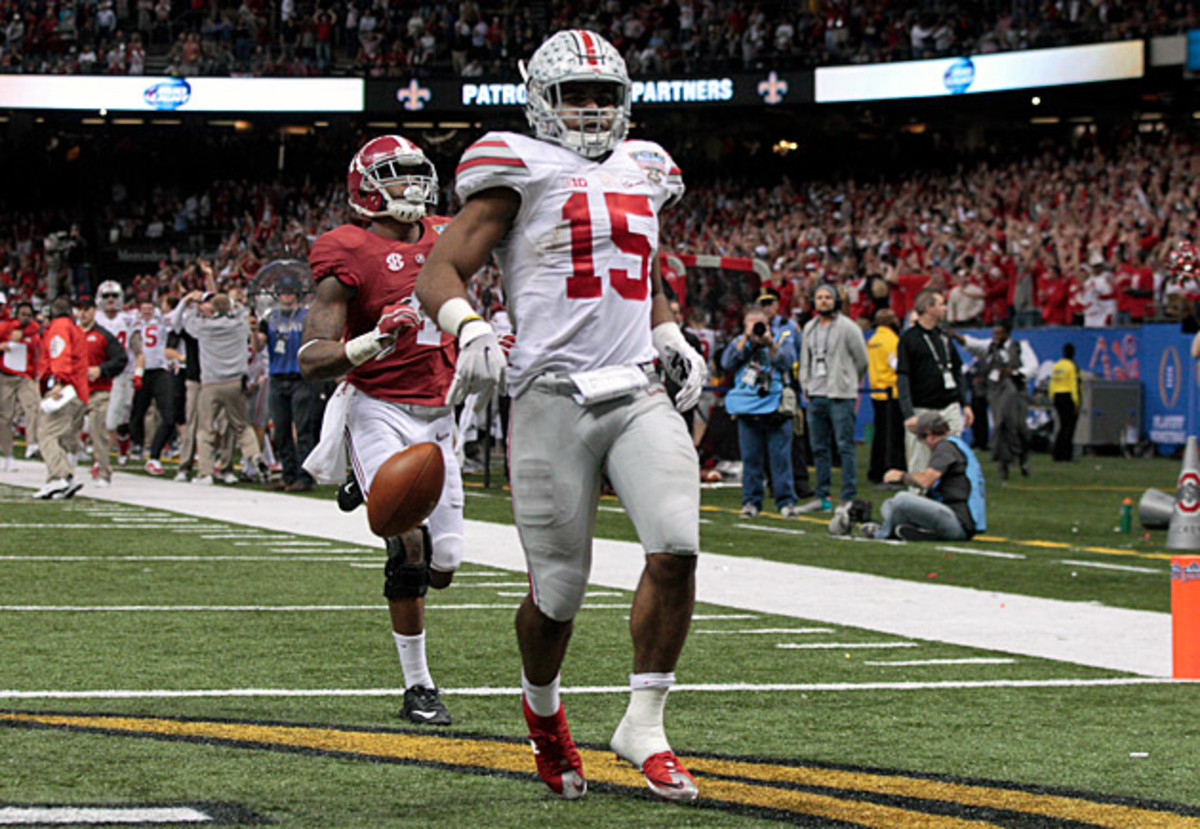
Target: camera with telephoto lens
{"x": 759, "y": 329}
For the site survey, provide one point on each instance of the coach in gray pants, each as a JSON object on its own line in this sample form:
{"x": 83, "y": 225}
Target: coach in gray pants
{"x": 224, "y": 356}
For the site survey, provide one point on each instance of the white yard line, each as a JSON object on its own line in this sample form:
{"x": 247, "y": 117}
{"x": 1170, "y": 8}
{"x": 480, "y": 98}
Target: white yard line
{"x": 736, "y": 687}
{"x": 971, "y": 551}
{"x": 756, "y": 631}
{"x": 970, "y": 660}
{"x": 830, "y": 646}
{"x": 763, "y": 528}
{"x": 99, "y": 815}
{"x": 1132, "y": 641}
{"x": 250, "y": 608}
{"x": 339, "y": 559}
{"x": 1122, "y": 567}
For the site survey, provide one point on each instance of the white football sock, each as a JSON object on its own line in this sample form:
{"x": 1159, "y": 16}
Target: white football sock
{"x": 543, "y": 699}
{"x": 412, "y": 659}
{"x": 641, "y": 732}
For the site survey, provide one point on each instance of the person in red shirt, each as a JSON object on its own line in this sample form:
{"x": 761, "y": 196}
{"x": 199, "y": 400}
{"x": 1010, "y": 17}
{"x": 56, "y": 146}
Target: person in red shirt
{"x": 398, "y": 371}
{"x": 62, "y": 369}
{"x": 18, "y": 390}
{"x": 1054, "y": 297}
{"x": 106, "y": 358}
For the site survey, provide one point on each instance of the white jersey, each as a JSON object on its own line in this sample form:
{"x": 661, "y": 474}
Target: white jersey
{"x": 154, "y": 341}
{"x": 122, "y": 326}
{"x": 576, "y": 264}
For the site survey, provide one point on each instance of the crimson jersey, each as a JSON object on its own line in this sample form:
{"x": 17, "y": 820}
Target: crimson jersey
{"x": 381, "y": 272}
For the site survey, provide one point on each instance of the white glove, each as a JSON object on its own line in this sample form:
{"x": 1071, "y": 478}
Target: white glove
{"x": 481, "y": 363}
{"x": 683, "y": 364}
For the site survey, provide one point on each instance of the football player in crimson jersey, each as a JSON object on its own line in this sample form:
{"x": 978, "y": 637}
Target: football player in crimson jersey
{"x": 364, "y": 324}
{"x": 572, "y": 218}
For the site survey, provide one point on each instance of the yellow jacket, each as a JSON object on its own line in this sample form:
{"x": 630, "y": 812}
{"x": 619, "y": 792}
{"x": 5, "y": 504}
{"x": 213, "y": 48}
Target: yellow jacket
{"x": 881, "y": 361}
{"x": 1064, "y": 378}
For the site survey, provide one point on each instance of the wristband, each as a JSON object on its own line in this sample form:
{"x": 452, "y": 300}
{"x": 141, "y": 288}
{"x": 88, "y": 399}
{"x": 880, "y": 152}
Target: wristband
{"x": 363, "y": 348}
{"x": 454, "y": 314}
{"x": 139, "y": 372}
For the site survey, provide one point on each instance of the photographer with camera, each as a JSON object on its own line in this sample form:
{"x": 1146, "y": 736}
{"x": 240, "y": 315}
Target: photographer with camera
{"x": 761, "y": 367}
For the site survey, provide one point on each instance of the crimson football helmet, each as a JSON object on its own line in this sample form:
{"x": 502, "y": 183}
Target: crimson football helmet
{"x": 110, "y": 296}
{"x": 1183, "y": 260}
{"x": 571, "y": 57}
{"x": 391, "y": 161}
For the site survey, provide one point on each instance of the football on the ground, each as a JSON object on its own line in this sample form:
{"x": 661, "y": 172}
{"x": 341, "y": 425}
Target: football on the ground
{"x": 406, "y": 489}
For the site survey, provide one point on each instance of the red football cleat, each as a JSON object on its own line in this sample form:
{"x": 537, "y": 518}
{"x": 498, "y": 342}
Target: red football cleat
{"x": 558, "y": 761}
{"x": 667, "y": 777}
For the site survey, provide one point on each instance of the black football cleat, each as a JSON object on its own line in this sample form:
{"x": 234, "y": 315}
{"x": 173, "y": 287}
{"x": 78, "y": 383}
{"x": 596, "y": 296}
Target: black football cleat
{"x": 423, "y": 705}
{"x": 349, "y": 496}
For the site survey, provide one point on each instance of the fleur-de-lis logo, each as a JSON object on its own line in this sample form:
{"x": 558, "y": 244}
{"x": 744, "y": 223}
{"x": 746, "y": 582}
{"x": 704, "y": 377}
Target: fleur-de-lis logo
{"x": 773, "y": 89}
{"x": 413, "y": 96}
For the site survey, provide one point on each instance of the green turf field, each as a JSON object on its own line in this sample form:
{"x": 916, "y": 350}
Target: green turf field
{"x": 152, "y": 659}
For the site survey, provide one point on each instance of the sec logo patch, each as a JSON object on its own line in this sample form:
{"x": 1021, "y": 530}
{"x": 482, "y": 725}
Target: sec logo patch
{"x": 395, "y": 262}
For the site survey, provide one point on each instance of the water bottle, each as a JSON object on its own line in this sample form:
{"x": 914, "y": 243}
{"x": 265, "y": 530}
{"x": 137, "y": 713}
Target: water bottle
{"x": 1127, "y": 515}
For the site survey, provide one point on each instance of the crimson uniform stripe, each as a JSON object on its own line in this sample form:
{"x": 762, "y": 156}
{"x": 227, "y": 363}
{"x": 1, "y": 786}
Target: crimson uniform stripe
{"x": 493, "y": 160}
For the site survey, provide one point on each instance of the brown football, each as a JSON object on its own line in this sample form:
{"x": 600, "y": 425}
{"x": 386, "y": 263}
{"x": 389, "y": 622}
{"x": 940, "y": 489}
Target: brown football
{"x": 406, "y": 489}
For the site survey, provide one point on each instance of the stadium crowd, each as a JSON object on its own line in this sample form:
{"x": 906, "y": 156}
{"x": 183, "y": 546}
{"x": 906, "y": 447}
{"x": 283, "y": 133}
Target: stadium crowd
{"x": 469, "y": 38}
{"x": 1074, "y": 236}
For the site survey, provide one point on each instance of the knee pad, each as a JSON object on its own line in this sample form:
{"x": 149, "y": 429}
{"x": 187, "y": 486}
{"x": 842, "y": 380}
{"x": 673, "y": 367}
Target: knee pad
{"x": 402, "y": 579}
{"x": 405, "y": 581}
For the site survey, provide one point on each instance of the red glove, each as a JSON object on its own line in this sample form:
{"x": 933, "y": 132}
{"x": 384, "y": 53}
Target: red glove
{"x": 507, "y": 341}
{"x": 137, "y": 382}
{"x": 399, "y": 316}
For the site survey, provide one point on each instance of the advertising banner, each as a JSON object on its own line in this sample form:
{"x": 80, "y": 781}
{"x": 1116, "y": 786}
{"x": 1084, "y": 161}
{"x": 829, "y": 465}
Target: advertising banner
{"x": 470, "y": 97}
{"x": 168, "y": 95}
{"x": 1029, "y": 69}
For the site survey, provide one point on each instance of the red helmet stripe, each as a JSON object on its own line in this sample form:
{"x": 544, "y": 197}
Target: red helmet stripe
{"x": 589, "y": 46}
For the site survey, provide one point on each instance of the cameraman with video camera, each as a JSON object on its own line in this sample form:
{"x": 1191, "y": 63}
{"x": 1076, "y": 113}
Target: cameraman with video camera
{"x": 761, "y": 367}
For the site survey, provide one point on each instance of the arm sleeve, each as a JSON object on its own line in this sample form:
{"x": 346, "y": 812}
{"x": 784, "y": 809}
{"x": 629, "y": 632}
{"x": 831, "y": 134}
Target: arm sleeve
{"x": 903, "y": 392}
{"x": 858, "y": 350}
{"x": 115, "y": 356}
{"x": 732, "y": 357}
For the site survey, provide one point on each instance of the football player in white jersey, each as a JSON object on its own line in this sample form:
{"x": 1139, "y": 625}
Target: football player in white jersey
{"x": 123, "y": 325}
{"x": 155, "y": 388}
{"x": 571, "y": 216}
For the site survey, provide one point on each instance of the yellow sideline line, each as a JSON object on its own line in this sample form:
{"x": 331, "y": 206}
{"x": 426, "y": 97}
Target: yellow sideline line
{"x": 764, "y": 785}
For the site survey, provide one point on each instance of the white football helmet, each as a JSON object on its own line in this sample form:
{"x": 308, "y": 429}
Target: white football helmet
{"x": 575, "y": 56}
{"x": 109, "y": 296}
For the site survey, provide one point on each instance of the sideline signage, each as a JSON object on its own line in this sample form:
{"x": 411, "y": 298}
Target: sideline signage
{"x": 133, "y": 93}
{"x": 1028, "y": 69}
{"x": 768, "y": 88}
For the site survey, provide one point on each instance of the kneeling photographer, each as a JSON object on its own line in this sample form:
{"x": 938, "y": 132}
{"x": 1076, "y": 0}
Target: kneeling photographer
{"x": 760, "y": 366}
